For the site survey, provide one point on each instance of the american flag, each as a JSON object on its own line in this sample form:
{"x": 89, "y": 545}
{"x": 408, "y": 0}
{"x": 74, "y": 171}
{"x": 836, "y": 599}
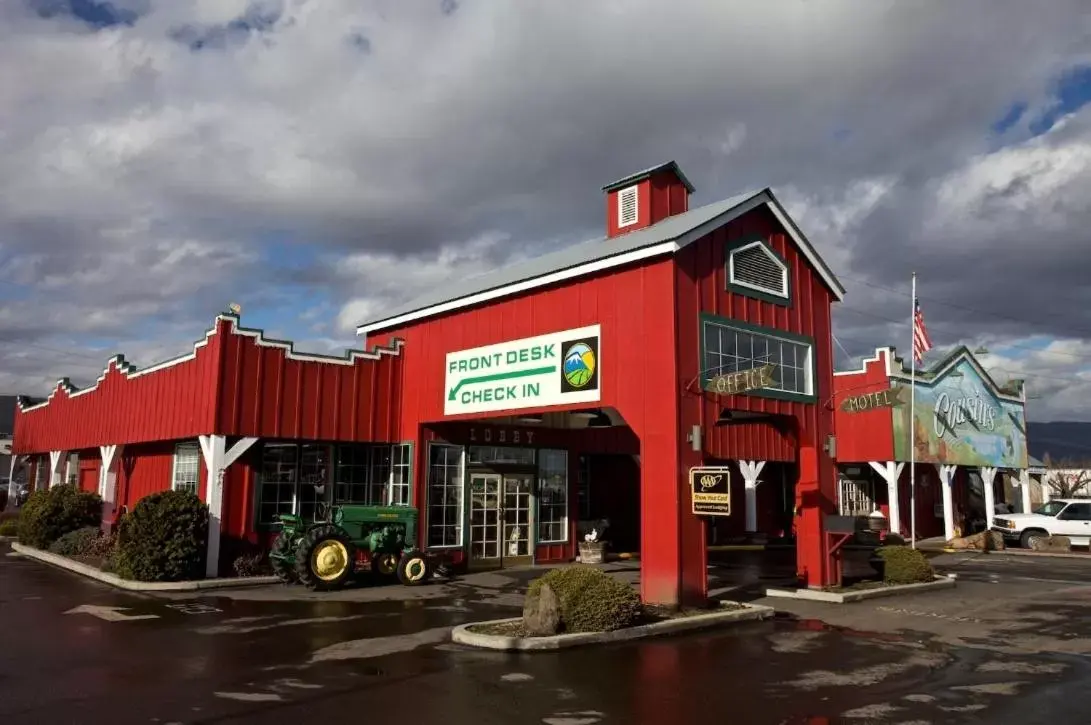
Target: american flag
{"x": 921, "y": 342}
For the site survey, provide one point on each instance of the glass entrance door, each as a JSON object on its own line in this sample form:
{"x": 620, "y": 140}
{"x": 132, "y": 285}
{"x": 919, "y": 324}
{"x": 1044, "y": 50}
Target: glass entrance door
{"x": 500, "y": 520}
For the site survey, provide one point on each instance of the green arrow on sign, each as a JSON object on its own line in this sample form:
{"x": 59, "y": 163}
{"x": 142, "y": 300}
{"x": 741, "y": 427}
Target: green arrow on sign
{"x": 500, "y": 376}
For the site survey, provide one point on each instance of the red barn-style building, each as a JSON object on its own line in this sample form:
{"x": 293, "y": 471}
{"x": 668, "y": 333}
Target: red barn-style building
{"x": 517, "y": 409}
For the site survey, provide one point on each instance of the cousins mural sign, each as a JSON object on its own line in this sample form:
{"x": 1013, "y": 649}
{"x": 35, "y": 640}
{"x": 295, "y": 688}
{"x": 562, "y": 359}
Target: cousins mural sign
{"x": 962, "y": 419}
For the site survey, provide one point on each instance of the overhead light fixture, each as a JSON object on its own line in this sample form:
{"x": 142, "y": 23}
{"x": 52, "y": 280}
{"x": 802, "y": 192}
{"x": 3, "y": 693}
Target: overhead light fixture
{"x": 600, "y": 420}
{"x": 530, "y": 418}
{"x": 584, "y": 414}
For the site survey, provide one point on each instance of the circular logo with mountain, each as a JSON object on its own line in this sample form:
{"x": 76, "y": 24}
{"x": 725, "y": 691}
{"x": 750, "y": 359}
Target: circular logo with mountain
{"x": 579, "y": 365}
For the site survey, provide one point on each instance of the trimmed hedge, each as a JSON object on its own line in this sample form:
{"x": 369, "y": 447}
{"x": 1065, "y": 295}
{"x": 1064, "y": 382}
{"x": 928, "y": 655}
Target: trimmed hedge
{"x": 9, "y": 527}
{"x": 905, "y": 565}
{"x": 76, "y": 543}
{"x": 163, "y": 538}
{"x": 50, "y": 514}
{"x": 590, "y": 599}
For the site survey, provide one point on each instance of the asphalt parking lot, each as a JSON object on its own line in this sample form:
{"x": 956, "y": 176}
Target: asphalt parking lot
{"x": 1008, "y": 645}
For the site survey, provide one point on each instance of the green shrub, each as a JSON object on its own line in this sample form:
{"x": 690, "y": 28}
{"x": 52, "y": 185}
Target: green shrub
{"x": 905, "y": 565}
{"x": 590, "y": 599}
{"x": 76, "y": 543}
{"x": 163, "y": 538}
{"x": 9, "y": 527}
{"x": 50, "y": 514}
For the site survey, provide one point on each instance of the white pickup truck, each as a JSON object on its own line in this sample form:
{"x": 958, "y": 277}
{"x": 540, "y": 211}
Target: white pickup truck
{"x": 1059, "y": 517}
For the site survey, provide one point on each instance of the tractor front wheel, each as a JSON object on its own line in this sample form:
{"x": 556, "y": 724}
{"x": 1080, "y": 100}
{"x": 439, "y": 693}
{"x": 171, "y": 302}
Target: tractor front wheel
{"x": 414, "y": 569}
{"x": 324, "y": 558}
{"x": 281, "y": 557}
{"x": 384, "y": 564}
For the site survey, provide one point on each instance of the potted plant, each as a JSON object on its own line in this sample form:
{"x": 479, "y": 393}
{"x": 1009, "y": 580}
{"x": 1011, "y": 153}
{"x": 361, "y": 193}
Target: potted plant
{"x": 592, "y": 549}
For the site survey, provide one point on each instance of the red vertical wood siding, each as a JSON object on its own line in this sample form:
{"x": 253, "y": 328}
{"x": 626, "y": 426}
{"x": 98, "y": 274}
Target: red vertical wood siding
{"x": 868, "y": 435}
{"x": 89, "y": 470}
{"x": 702, "y": 287}
{"x": 143, "y": 470}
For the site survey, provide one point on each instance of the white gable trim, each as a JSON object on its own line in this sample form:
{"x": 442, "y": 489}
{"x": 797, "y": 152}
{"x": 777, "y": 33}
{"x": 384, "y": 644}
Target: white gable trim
{"x": 760, "y": 199}
{"x": 129, "y": 370}
{"x": 882, "y": 354}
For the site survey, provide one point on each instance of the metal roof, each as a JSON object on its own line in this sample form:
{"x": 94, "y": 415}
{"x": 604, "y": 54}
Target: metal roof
{"x": 681, "y": 229}
{"x": 633, "y": 178}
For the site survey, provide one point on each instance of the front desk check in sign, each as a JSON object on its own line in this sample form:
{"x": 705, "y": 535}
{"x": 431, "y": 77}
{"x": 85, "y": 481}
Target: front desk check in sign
{"x": 710, "y": 490}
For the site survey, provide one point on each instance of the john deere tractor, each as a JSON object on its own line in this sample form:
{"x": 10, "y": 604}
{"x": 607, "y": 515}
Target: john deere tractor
{"x": 347, "y": 540}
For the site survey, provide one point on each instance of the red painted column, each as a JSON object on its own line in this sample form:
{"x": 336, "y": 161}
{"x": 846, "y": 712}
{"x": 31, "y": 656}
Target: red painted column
{"x": 660, "y": 520}
{"x": 811, "y": 564}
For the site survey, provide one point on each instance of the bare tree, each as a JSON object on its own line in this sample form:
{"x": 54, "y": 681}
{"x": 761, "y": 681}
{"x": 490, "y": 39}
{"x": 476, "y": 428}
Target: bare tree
{"x": 1067, "y": 478}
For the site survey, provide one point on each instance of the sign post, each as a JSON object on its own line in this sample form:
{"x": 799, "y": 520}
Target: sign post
{"x": 710, "y": 490}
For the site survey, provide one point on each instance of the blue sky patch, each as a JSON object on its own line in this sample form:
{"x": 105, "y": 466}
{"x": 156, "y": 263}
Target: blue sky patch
{"x": 257, "y": 19}
{"x": 98, "y": 14}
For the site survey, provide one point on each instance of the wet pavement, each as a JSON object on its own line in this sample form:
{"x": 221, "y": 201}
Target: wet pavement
{"x": 1008, "y": 645}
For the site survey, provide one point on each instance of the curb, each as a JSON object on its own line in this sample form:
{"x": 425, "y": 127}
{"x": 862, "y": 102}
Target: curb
{"x": 113, "y": 580}
{"x": 1032, "y": 554}
{"x": 462, "y": 634}
{"x": 818, "y": 595}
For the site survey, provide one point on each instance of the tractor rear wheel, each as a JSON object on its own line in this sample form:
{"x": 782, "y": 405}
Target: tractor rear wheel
{"x": 414, "y": 569}
{"x": 281, "y": 558}
{"x": 325, "y": 558}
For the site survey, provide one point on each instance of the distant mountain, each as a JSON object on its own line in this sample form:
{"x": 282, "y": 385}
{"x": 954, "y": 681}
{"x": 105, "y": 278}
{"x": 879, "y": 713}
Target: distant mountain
{"x": 1060, "y": 440}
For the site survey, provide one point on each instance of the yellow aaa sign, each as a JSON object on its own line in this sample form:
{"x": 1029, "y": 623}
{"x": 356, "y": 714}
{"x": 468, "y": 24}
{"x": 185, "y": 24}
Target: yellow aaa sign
{"x": 742, "y": 381}
{"x": 710, "y": 490}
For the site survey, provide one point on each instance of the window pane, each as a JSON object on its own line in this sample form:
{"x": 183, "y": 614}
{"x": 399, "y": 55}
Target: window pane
{"x": 552, "y": 496}
{"x": 187, "y": 462}
{"x": 400, "y": 485}
{"x": 743, "y": 350}
{"x": 277, "y": 481}
{"x": 444, "y": 495}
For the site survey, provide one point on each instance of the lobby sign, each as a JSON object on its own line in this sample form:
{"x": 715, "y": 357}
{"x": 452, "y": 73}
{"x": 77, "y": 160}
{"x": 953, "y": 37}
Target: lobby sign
{"x": 560, "y": 368}
{"x": 710, "y": 490}
{"x": 959, "y": 420}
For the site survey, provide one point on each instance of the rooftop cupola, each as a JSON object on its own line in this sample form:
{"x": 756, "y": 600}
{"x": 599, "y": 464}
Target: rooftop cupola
{"x": 646, "y": 197}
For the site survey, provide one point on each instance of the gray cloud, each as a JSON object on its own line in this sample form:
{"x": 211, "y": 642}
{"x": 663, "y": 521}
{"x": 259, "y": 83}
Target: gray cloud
{"x": 399, "y": 143}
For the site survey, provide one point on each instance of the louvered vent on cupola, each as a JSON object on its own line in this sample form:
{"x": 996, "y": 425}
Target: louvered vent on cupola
{"x": 627, "y": 207}
{"x": 756, "y": 267}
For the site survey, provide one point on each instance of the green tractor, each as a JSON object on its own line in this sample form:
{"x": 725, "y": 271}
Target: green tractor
{"x": 347, "y": 540}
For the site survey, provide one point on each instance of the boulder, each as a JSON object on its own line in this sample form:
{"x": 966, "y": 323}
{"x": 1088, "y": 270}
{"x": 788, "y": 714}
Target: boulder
{"x": 542, "y": 613}
{"x": 981, "y": 541}
{"x": 1055, "y": 544}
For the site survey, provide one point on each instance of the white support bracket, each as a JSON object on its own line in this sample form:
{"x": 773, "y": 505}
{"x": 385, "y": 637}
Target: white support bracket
{"x": 946, "y": 479}
{"x": 17, "y": 462}
{"x": 1024, "y": 489}
{"x": 107, "y": 478}
{"x": 988, "y": 476}
{"x": 750, "y": 471}
{"x": 217, "y": 458}
{"x": 891, "y": 472}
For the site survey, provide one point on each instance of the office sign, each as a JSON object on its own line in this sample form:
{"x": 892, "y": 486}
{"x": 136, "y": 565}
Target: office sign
{"x": 742, "y": 381}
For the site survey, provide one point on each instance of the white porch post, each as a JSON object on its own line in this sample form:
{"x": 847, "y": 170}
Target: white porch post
{"x": 891, "y": 471}
{"x": 56, "y": 458}
{"x": 988, "y": 475}
{"x": 1047, "y": 492}
{"x": 217, "y": 458}
{"x": 750, "y": 471}
{"x": 107, "y": 477}
{"x": 946, "y": 479}
{"x": 1024, "y": 489}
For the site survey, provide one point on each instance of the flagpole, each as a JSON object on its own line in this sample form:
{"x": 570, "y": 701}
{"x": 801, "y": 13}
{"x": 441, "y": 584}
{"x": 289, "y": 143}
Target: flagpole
{"x": 913, "y": 415}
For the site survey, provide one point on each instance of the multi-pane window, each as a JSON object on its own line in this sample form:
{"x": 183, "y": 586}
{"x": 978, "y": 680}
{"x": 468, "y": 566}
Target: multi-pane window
{"x": 730, "y": 349}
{"x": 279, "y": 478}
{"x": 187, "y": 467}
{"x": 314, "y": 462}
{"x": 401, "y": 457}
{"x": 72, "y": 472}
{"x": 43, "y": 473}
{"x": 374, "y": 475}
{"x": 552, "y": 496}
{"x": 445, "y": 469}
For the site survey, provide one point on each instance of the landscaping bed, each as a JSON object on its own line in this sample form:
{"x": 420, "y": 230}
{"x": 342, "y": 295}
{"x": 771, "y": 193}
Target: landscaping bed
{"x": 652, "y": 614}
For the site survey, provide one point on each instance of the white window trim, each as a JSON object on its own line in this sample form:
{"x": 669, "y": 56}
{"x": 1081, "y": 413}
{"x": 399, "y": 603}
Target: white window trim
{"x": 174, "y": 466}
{"x": 567, "y": 501}
{"x": 409, "y": 475}
{"x": 809, "y": 346}
{"x": 765, "y": 249}
{"x": 461, "y": 499}
{"x": 621, "y": 195}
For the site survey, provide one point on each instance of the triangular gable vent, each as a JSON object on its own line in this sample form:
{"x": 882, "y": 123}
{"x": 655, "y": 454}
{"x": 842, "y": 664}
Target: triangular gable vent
{"x": 755, "y": 266}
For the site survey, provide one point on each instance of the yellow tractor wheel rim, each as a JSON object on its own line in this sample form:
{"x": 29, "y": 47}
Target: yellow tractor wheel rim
{"x": 387, "y": 564}
{"x": 329, "y": 560}
{"x": 415, "y": 569}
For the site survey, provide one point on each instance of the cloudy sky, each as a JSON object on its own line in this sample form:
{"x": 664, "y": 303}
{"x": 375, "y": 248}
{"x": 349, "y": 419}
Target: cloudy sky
{"x": 316, "y": 160}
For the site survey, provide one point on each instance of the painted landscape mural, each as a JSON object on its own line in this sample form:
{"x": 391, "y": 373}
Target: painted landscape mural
{"x": 960, "y": 420}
